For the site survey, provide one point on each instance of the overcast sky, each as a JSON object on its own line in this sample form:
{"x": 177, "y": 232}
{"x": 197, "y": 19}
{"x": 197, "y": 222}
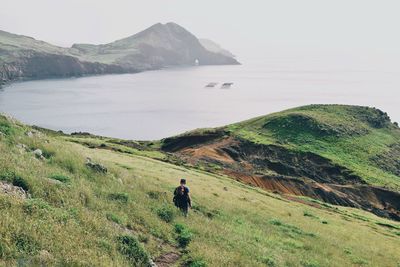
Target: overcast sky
{"x": 237, "y": 25}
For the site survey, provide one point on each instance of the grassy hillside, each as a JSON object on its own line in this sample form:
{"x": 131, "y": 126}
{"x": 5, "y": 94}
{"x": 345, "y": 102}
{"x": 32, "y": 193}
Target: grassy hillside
{"x": 361, "y": 139}
{"x": 13, "y": 46}
{"x": 79, "y": 215}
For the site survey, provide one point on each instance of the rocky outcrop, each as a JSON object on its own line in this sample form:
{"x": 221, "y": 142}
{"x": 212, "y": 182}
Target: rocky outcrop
{"x": 36, "y": 65}
{"x": 13, "y": 190}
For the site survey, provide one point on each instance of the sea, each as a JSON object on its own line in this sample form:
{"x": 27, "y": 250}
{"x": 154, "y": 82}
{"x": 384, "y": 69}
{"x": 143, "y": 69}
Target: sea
{"x": 157, "y": 104}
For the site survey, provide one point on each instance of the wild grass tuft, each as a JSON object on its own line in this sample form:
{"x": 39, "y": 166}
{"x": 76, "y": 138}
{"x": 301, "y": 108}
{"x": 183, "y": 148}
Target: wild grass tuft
{"x": 130, "y": 247}
{"x": 166, "y": 213}
{"x": 120, "y": 197}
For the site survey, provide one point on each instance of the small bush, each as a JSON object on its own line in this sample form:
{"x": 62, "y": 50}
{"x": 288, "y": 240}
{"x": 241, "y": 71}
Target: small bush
{"x": 120, "y": 197}
{"x": 268, "y": 261}
{"x": 275, "y": 222}
{"x": 60, "y": 177}
{"x": 184, "y": 235}
{"x": 25, "y": 244}
{"x": 35, "y": 205}
{"x": 197, "y": 263}
{"x": 166, "y": 213}
{"x": 130, "y": 247}
{"x": 48, "y": 153}
{"x": 179, "y": 228}
{"x": 21, "y": 182}
{"x": 15, "y": 179}
{"x": 154, "y": 194}
{"x": 309, "y": 214}
{"x": 114, "y": 218}
{"x": 6, "y": 128}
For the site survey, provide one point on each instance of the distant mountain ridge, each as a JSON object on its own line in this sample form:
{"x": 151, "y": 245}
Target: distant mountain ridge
{"x": 158, "y": 46}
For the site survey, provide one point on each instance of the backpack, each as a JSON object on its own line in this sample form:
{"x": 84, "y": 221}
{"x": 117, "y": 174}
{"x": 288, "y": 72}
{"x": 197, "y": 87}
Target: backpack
{"x": 180, "y": 196}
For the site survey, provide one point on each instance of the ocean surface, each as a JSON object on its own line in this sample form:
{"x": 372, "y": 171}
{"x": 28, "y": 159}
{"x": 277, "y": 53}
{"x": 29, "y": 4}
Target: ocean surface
{"x": 157, "y": 104}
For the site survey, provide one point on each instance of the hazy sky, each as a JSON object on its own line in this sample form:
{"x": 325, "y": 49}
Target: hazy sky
{"x": 240, "y": 26}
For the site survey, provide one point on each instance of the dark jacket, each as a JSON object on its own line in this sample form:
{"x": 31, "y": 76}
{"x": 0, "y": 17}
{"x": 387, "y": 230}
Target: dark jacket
{"x": 181, "y": 197}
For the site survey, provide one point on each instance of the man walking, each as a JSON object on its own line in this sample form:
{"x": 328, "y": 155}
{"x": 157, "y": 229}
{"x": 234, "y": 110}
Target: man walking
{"x": 182, "y": 198}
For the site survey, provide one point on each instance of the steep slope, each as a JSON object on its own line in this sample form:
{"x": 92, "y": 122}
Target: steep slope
{"x": 214, "y": 47}
{"x": 159, "y": 46}
{"x": 344, "y": 155}
{"x": 58, "y": 210}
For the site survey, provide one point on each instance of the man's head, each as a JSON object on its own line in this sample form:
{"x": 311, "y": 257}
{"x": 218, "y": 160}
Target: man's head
{"x": 183, "y": 181}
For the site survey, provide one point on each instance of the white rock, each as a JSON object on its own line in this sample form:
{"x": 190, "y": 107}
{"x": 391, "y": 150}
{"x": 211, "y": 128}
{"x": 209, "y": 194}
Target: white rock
{"x": 38, "y": 152}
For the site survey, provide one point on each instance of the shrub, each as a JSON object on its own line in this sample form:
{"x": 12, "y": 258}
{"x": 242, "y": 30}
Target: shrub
{"x": 166, "y": 213}
{"x": 25, "y": 244}
{"x": 121, "y": 197}
{"x": 154, "y": 194}
{"x": 268, "y": 261}
{"x": 197, "y": 263}
{"x": 35, "y": 205}
{"x": 179, "y": 228}
{"x": 47, "y": 153}
{"x": 15, "y": 179}
{"x": 130, "y": 247}
{"x": 60, "y": 177}
{"x": 5, "y": 128}
{"x": 184, "y": 236}
{"x": 275, "y": 222}
{"x": 308, "y": 214}
{"x": 114, "y": 218}
{"x": 21, "y": 182}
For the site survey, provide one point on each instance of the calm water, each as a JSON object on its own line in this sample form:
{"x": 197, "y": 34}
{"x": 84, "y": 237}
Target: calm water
{"x": 158, "y": 104}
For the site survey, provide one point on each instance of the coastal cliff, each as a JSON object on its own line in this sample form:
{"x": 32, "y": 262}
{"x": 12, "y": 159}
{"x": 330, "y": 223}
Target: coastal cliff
{"x": 159, "y": 46}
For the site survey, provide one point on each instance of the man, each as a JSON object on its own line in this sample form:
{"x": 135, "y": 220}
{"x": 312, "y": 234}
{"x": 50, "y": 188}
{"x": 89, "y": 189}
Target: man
{"x": 182, "y": 198}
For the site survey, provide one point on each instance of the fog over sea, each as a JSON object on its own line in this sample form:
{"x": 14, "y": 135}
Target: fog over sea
{"x": 157, "y": 104}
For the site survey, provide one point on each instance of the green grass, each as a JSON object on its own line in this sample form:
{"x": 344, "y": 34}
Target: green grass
{"x": 113, "y": 219}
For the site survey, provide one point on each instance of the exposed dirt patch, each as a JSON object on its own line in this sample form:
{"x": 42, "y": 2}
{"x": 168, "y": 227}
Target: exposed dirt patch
{"x": 211, "y": 151}
{"x": 167, "y": 259}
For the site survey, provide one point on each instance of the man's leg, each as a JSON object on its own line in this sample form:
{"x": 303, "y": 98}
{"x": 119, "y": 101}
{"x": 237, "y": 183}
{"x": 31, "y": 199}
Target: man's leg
{"x": 185, "y": 211}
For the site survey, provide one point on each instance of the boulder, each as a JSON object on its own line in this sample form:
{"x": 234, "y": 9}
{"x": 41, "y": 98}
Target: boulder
{"x": 12, "y": 190}
{"x": 39, "y": 154}
{"x": 97, "y": 167}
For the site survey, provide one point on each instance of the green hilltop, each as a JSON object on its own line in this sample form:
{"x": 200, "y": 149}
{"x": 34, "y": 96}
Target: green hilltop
{"x": 60, "y": 208}
{"x": 360, "y": 138}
